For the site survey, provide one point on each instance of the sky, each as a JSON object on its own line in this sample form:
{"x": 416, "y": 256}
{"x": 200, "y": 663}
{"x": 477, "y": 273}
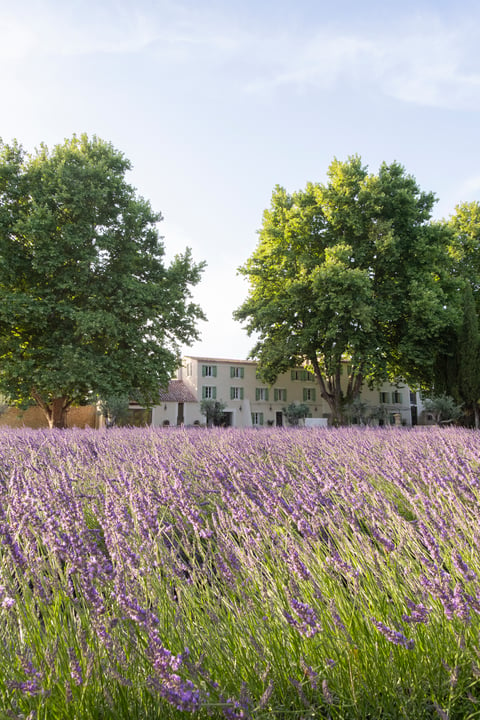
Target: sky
{"x": 217, "y": 102}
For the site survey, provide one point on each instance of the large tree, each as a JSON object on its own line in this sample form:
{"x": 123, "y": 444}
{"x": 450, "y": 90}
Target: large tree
{"x": 458, "y": 357}
{"x": 88, "y": 306}
{"x": 348, "y": 270}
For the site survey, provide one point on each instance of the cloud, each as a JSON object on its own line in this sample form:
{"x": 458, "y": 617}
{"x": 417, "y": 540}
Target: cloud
{"x": 57, "y": 28}
{"x": 422, "y": 60}
{"x": 32, "y": 29}
{"x": 425, "y": 63}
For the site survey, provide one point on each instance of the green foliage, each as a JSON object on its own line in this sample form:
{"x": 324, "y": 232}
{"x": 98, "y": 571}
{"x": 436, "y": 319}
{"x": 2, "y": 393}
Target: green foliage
{"x": 87, "y": 305}
{"x": 464, "y": 245}
{"x": 443, "y": 408}
{"x": 213, "y": 411}
{"x": 114, "y": 410}
{"x": 457, "y": 364}
{"x": 359, "y": 412}
{"x": 294, "y": 412}
{"x": 348, "y": 270}
{"x": 469, "y": 355}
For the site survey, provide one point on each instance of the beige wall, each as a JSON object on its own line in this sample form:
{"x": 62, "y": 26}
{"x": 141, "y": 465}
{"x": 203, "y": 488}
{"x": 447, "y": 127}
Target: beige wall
{"x": 34, "y": 418}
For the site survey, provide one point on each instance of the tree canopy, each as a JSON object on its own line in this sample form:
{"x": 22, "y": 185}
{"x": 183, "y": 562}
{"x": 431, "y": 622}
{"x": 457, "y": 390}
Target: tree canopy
{"x": 88, "y": 306}
{"x": 350, "y": 270}
{"x": 457, "y": 368}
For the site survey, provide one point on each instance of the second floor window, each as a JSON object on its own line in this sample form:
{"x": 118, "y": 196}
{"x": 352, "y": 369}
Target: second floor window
{"x": 236, "y": 393}
{"x": 397, "y": 397}
{"x": 384, "y": 398}
{"x": 303, "y": 375}
{"x": 261, "y": 394}
{"x": 237, "y": 372}
{"x": 209, "y": 371}
{"x": 280, "y": 394}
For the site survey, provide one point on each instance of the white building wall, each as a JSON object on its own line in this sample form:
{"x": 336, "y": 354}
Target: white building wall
{"x": 249, "y": 401}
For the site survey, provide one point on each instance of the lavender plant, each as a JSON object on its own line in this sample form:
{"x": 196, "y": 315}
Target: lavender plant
{"x": 232, "y": 573}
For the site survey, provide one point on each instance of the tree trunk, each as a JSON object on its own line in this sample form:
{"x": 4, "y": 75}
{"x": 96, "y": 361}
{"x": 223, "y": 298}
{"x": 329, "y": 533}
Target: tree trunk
{"x": 476, "y": 411}
{"x": 58, "y": 413}
{"x": 55, "y": 412}
{"x": 331, "y": 392}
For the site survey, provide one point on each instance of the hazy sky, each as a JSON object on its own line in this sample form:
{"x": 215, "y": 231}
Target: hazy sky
{"x": 215, "y": 103}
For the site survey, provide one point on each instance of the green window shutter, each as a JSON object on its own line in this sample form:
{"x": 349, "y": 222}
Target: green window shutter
{"x": 257, "y": 393}
{"x": 214, "y": 370}
{"x": 275, "y": 394}
{"x": 204, "y": 393}
{"x": 214, "y": 393}
{"x": 313, "y": 394}
{"x": 242, "y": 370}
{"x": 241, "y": 393}
{"x": 284, "y": 396}
{"x": 232, "y": 372}
{"x": 266, "y": 394}
{"x": 261, "y": 419}
{"x": 204, "y": 370}
{"x": 253, "y": 418}
{"x": 232, "y": 393}
{"x": 292, "y": 375}
{"x": 304, "y": 394}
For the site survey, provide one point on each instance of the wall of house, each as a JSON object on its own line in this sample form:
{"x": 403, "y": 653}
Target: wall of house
{"x": 249, "y": 401}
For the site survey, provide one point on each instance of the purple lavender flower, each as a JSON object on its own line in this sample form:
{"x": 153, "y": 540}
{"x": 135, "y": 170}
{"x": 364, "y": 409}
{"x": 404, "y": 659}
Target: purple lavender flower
{"x": 75, "y": 668}
{"x": 306, "y": 621}
{"x": 418, "y": 613}
{"x": 459, "y": 564}
{"x": 393, "y": 636}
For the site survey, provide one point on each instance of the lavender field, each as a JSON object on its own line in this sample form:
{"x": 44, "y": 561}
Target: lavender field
{"x": 240, "y": 574}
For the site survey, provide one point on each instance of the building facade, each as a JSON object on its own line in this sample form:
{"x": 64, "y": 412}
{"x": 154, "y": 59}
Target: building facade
{"x": 252, "y": 403}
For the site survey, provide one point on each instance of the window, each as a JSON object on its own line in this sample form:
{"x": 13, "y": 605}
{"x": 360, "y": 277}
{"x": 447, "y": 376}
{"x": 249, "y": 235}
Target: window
{"x": 209, "y": 371}
{"x": 397, "y": 397}
{"x": 209, "y": 392}
{"x": 189, "y": 369}
{"x": 302, "y": 375}
{"x": 413, "y": 398}
{"x": 237, "y": 372}
{"x": 309, "y": 394}
{"x": 280, "y": 394}
{"x": 257, "y": 418}
{"x": 236, "y": 393}
{"x": 384, "y": 398}
{"x": 261, "y": 394}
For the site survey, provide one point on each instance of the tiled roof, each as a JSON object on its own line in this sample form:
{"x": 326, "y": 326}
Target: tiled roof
{"x": 177, "y": 392}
